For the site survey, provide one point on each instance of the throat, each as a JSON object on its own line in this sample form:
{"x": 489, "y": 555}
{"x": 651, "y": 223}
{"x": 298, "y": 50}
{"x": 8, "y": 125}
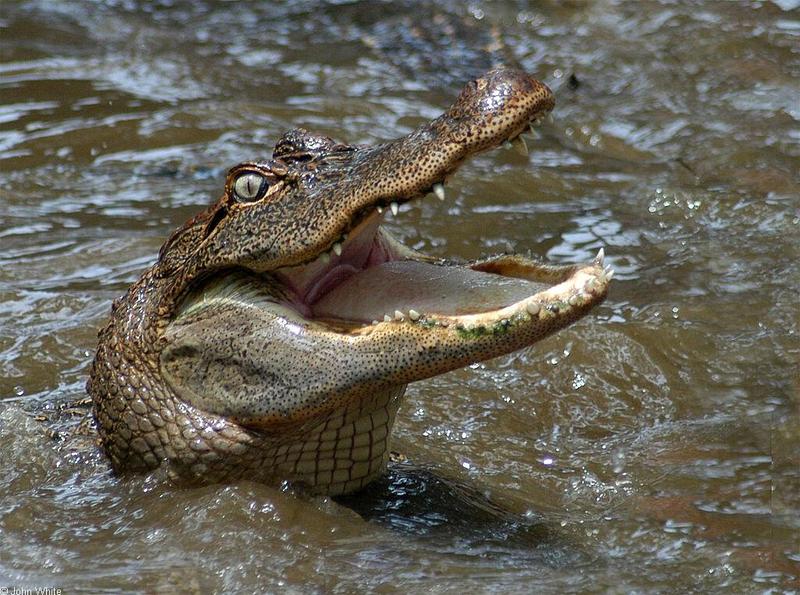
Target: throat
{"x": 367, "y": 246}
{"x": 346, "y": 451}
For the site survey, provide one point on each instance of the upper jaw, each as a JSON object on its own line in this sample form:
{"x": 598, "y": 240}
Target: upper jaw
{"x": 345, "y": 187}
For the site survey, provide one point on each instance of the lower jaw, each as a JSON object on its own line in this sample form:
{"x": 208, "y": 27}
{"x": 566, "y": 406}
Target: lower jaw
{"x": 398, "y": 285}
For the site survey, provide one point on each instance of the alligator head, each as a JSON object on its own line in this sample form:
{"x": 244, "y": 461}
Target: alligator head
{"x": 274, "y": 337}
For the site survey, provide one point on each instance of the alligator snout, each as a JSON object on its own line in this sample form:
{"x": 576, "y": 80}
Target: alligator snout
{"x": 497, "y": 107}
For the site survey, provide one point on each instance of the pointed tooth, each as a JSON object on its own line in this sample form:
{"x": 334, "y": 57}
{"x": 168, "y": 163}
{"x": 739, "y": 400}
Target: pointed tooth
{"x": 610, "y": 274}
{"x": 550, "y": 118}
{"x": 413, "y": 315}
{"x": 520, "y": 146}
{"x": 337, "y": 248}
{"x": 387, "y": 318}
{"x": 438, "y": 190}
{"x": 600, "y": 258}
{"x": 395, "y": 208}
{"x": 398, "y": 315}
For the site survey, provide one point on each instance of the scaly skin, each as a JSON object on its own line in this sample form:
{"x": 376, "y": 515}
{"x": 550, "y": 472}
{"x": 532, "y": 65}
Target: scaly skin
{"x": 218, "y": 364}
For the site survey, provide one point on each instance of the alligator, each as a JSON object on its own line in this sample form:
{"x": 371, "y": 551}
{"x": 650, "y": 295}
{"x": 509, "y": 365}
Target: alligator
{"x": 274, "y": 336}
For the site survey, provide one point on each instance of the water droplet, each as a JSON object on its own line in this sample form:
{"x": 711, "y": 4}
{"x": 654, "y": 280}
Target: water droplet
{"x": 579, "y": 381}
{"x": 618, "y": 458}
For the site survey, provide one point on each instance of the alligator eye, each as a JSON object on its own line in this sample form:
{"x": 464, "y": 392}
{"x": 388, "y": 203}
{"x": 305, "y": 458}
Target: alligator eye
{"x": 249, "y": 187}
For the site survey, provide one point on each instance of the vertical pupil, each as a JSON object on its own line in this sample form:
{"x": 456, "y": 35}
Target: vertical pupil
{"x": 248, "y": 186}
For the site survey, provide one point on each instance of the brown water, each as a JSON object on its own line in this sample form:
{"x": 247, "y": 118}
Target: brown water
{"x": 654, "y": 446}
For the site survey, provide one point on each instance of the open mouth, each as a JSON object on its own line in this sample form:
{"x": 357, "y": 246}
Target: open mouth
{"x": 375, "y": 280}
{"x": 369, "y": 279}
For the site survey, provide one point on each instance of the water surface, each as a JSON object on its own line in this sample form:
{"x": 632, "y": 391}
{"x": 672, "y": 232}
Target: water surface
{"x": 654, "y": 446}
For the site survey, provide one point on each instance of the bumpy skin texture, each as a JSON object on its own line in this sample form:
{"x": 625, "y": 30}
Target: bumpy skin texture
{"x": 234, "y": 390}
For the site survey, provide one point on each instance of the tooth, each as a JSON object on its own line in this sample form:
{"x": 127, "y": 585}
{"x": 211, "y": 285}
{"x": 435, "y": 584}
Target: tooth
{"x": 375, "y": 322}
{"x": 610, "y": 274}
{"x": 520, "y": 146}
{"x": 337, "y": 247}
{"x": 507, "y": 144}
{"x": 413, "y": 315}
{"x": 438, "y": 190}
{"x": 395, "y": 208}
{"x": 550, "y": 118}
{"x": 532, "y": 308}
{"x": 398, "y": 315}
{"x": 387, "y": 318}
{"x": 325, "y": 258}
{"x": 600, "y": 258}
{"x": 380, "y": 210}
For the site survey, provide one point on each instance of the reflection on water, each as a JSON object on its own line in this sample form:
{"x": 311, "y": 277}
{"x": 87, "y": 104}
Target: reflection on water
{"x": 654, "y": 446}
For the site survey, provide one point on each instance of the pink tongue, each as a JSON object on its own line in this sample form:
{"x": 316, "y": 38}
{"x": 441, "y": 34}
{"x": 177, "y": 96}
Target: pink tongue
{"x": 426, "y": 288}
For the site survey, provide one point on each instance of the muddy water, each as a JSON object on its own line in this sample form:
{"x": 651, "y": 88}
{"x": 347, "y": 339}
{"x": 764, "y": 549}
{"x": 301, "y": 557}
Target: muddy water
{"x": 652, "y": 447}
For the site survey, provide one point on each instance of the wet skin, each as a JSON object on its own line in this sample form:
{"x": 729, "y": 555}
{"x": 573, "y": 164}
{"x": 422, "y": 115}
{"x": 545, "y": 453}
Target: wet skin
{"x": 274, "y": 337}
